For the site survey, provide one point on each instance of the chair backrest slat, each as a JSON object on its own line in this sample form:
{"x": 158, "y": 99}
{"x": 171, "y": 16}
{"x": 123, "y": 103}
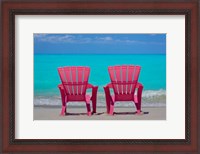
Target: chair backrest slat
{"x": 73, "y": 75}
{"x": 74, "y": 79}
{"x": 80, "y": 79}
{"x": 67, "y": 72}
{"x": 112, "y": 74}
{"x": 124, "y": 78}
{"x": 65, "y": 76}
{"x": 130, "y": 78}
{"x": 118, "y": 78}
{"x": 86, "y": 72}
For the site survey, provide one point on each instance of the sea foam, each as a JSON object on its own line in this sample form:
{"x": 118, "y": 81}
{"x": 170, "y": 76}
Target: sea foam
{"x": 150, "y": 98}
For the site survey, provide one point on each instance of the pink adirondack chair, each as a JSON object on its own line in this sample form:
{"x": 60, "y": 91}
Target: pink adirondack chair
{"x": 124, "y": 82}
{"x": 74, "y": 86}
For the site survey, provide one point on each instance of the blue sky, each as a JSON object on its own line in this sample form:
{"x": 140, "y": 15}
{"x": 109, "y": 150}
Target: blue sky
{"x": 100, "y": 43}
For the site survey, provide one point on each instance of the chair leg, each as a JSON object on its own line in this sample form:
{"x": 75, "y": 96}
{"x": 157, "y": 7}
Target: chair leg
{"x": 108, "y": 108}
{"x": 88, "y": 109}
{"x": 94, "y": 99}
{"x": 64, "y": 100}
{"x": 107, "y": 96}
{"x": 138, "y": 107}
{"x": 138, "y": 99}
{"x": 63, "y": 111}
{"x": 111, "y": 108}
{"x": 64, "y": 107}
{"x": 94, "y": 106}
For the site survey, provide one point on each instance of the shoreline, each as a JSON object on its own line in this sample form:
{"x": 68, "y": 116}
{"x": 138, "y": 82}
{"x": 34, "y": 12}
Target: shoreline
{"x": 83, "y": 106}
{"x": 80, "y": 113}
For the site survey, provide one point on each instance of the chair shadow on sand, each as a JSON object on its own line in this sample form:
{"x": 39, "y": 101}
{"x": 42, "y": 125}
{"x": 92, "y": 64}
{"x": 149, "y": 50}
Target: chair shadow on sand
{"x": 104, "y": 113}
{"x": 130, "y": 113}
{"x": 78, "y": 114}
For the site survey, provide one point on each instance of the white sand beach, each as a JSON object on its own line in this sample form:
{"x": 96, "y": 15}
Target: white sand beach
{"x": 79, "y": 113}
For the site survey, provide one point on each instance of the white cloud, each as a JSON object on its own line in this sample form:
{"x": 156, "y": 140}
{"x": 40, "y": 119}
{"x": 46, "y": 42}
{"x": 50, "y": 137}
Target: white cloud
{"x": 53, "y": 38}
{"x": 39, "y": 35}
{"x": 105, "y": 38}
{"x": 67, "y": 38}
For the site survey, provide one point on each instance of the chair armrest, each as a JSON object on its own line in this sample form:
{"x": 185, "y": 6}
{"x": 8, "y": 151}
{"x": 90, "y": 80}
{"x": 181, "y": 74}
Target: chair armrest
{"x": 139, "y": 85}
{"x": 62, "y": 93}
{"x": 94, "y": 96}
{"x": 60, "y": 86}
{"x": 108, "y": 96}
{"x": 94, "y": 90}
{"x": 107, "y": 90}
{"x": 89, "y": 85}
{"x": 138, "y": 97}
{"x": 109, "y": 85}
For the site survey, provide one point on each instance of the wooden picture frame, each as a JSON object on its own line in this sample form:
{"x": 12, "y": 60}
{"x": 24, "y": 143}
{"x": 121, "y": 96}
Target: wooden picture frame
{"x": 11, "y": 8}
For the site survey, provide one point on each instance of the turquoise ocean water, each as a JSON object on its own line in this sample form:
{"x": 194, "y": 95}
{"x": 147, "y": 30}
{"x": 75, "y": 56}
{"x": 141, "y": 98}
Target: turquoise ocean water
{"x": 152, "y": 76}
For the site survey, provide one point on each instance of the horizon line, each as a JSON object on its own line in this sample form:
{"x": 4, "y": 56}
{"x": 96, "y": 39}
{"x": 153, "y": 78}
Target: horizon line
{"x": 100, "y": 54}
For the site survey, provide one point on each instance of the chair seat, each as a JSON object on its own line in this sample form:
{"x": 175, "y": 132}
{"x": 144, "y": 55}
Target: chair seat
{"x": 123, "y": 97}
{"x": 78, "y": 98}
